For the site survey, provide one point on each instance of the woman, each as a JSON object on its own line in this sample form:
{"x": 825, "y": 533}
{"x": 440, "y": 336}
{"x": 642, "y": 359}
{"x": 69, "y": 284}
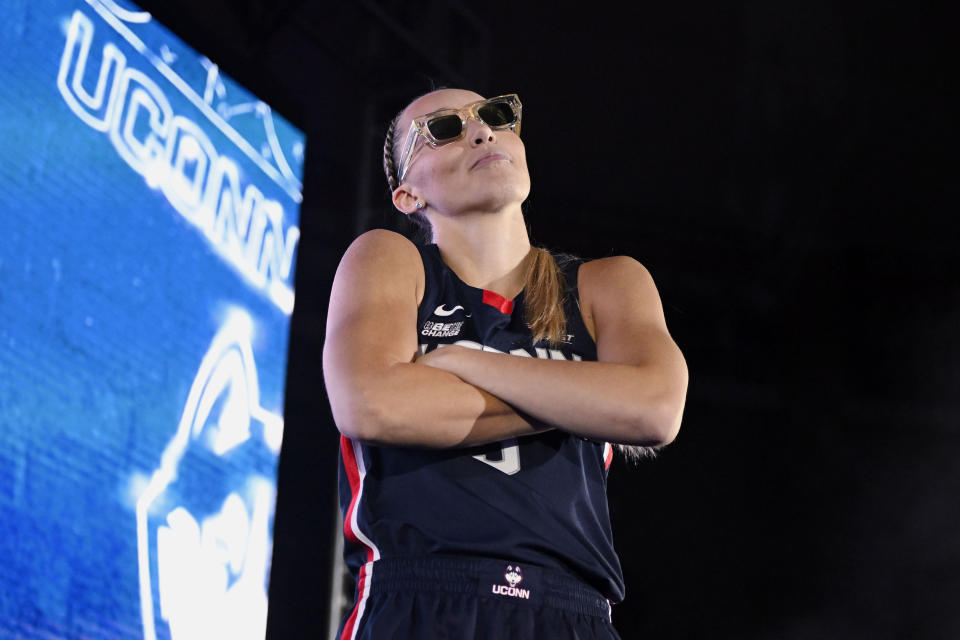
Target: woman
{"x": 473, "y": 480}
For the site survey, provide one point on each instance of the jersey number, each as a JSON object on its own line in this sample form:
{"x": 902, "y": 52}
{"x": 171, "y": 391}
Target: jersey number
{"x": 509, "y": 462}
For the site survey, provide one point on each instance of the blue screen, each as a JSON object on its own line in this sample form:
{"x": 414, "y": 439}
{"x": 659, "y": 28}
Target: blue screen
{"x": 148, "y": 232}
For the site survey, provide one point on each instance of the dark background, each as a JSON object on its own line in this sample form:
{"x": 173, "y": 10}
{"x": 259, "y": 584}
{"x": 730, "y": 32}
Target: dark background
{"x": 787, "y": 173}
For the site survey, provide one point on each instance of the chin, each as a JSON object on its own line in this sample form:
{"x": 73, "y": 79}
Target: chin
{"x": 505, "y": 199}
{"x": 497, "y": 193}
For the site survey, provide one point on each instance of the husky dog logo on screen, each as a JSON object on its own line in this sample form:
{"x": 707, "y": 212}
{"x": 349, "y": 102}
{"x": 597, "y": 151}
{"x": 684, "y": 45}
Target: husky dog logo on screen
{"x": 204, "y": 520}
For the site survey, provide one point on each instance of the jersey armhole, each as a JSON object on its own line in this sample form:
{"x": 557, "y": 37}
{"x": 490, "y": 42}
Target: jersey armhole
{"x": 570, "y": 267}
{"x": 430, "y": 268}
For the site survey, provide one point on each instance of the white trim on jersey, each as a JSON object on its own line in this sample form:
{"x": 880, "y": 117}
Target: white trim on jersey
{"x": 365, "y": 575}
{"x": 362, "y": 604}
{"x": 362, "y": 470}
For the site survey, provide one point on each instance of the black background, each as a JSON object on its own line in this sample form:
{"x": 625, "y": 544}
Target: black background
{"x": 786, "y": 171}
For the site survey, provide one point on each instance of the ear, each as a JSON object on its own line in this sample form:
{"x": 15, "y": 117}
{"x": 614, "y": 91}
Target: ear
{"x": 404, "y": 199}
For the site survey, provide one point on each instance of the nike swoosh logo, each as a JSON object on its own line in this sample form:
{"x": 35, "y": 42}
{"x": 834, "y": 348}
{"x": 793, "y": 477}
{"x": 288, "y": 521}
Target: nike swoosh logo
{"x": 440, "y": 311}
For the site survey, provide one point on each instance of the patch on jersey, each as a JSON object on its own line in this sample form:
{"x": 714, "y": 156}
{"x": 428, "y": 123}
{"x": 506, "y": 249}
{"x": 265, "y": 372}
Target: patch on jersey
{"x": 514, "y": 576}
{"x": 443, "y": 312}
{"x": 441, "y": 329}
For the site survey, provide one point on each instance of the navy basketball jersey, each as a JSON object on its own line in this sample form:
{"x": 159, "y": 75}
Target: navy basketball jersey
{"x": 538, "y": 499}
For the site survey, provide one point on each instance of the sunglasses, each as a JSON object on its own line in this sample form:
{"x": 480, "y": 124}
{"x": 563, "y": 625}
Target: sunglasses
{"x": 447, "y": 125}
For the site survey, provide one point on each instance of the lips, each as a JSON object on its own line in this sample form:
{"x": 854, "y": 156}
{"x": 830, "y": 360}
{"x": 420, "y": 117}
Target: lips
{"x": 488, "y": 158}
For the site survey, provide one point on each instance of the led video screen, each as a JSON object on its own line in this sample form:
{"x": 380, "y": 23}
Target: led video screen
{"x": 148, "y": 232}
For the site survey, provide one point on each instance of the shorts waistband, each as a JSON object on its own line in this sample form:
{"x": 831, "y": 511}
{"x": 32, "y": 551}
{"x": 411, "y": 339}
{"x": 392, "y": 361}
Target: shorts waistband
{"x": 493, "y": 578}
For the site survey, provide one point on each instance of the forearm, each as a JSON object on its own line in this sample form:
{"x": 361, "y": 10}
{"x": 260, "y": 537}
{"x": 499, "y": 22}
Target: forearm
{"x": 633, "y": 404}
{"x": 410, "y": 404}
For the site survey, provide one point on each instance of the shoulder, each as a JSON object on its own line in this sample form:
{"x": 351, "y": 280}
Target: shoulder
{"x": 612, "y": 273}
{"x": 384, "y": 243}
{"x": 617, "y": 287}
{"x": 385, "y": 257}
{"x": 380, "y": 250}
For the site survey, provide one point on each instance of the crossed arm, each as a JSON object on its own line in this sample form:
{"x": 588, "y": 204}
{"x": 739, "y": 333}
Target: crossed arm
{"x": 381, "y": 392}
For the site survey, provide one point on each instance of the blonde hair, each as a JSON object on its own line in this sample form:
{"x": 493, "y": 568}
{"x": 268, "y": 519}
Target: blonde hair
{"x": 544, "y": 292}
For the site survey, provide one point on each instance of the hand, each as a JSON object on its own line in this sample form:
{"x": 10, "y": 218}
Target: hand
{"x": 443, "y": 357}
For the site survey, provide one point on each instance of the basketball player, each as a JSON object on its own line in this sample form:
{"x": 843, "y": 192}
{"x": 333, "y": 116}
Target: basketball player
{"x": 478, "y": 384}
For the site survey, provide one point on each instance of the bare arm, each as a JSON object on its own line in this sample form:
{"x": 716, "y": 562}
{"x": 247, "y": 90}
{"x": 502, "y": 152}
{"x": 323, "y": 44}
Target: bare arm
{"x": 376, "y": 391}
{"x": 633, "y": 394}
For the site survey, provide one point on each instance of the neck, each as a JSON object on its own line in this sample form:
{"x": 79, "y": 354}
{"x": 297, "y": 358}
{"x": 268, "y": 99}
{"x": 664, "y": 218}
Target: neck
{"x": 487, "y": 251}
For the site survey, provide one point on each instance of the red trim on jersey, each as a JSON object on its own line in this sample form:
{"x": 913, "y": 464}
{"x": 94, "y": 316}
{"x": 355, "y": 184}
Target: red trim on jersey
{"x": 607, "y": 455}
{"x": 352, "y": 469}
{"x": 353, "y": 475}
{"x": 497, "y": 301}
{"x": 352, "y": 620}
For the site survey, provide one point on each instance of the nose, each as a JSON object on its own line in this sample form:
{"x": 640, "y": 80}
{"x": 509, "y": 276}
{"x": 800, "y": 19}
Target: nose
{"x": 479, "y": 132}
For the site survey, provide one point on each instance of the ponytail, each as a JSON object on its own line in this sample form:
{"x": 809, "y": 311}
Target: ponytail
{"x": 544, "y": 289}
{"x": 635, "y": 453}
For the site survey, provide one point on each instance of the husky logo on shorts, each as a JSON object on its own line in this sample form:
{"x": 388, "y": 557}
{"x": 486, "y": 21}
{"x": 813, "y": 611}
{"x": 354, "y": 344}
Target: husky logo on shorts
{"x": 513, "y": 575}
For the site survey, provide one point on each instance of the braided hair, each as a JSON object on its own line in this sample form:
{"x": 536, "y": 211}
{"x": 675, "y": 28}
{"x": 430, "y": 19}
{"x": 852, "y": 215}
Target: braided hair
{"x": 424, "y": 231}
{"x": 389, "y": 162}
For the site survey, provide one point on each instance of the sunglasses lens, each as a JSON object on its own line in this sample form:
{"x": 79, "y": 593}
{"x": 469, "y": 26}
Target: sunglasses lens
{"x": 445, "y": 127}
{"x": 497, "y": 114}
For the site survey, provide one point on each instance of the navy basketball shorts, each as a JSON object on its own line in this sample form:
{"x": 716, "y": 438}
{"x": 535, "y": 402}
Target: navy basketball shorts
{"x": 465, "y": 598}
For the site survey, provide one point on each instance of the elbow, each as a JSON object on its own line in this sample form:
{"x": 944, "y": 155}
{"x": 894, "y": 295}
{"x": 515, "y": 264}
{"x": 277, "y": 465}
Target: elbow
{"x": 668, "y": 422}
{"x": 656, "y": 421}
{"x": 655, "y": 425}
{"x": 352, "y": 422}
{"x": 673, "y": 402}
{"x": 359, "y": 417}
